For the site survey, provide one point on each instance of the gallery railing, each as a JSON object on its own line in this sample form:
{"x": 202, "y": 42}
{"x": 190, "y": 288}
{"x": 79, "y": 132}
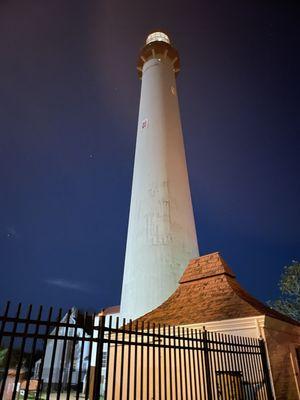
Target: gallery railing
{"x": 85, "y": 356}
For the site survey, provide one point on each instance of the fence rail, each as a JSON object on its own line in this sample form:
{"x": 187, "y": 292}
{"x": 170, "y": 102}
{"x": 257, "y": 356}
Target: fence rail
{"x": 83, "y": 356}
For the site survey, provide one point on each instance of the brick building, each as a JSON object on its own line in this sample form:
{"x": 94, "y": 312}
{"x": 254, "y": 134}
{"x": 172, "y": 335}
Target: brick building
{"x": 209, "y": 295}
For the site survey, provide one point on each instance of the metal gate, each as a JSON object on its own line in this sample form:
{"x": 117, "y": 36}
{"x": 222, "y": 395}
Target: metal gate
{"x": 84, "y": 356}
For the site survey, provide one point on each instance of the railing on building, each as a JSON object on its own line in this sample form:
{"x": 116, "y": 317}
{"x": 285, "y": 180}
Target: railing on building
{"x": 50, "y": 357}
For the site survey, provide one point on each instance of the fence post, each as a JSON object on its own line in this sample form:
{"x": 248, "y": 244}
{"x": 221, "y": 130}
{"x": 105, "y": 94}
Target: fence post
{"x": 99, "y": 358}
{"x": 207, "y": 366}
{"x": 266, "y": 369}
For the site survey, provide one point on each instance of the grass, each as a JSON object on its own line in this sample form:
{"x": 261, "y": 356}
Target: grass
{"x": 31, "y": 396}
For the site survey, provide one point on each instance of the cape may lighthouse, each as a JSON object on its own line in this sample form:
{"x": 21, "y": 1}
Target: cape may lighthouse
{"x": 161, "y": 237}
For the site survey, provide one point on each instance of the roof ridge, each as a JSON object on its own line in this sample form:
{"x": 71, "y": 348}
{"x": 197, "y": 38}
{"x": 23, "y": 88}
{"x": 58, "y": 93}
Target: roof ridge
{"x": 206, "y": 266}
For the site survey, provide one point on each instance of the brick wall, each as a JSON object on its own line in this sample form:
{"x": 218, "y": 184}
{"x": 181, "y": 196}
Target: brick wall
{"x": 281, "y": 339}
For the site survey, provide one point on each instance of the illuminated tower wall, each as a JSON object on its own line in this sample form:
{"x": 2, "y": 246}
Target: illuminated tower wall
{"x": 161, "y": 235}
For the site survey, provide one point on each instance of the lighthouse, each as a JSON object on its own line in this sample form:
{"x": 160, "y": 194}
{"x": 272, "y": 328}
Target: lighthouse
{"x": 161, "y": 237}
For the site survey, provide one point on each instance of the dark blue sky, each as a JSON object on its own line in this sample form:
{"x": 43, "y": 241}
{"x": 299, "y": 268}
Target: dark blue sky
{"x": 69, "y": 97}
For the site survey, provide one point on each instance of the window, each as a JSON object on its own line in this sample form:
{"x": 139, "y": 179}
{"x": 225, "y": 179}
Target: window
{"x": 145, "y": 123}
{"x": 157, "y": 37}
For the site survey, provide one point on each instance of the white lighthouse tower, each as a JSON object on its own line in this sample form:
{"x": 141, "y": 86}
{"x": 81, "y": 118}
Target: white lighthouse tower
{"x": 161, "y": 235}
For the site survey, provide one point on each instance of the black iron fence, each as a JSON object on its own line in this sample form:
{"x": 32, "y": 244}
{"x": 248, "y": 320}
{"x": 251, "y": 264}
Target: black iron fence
{"x": 84, "y": 356}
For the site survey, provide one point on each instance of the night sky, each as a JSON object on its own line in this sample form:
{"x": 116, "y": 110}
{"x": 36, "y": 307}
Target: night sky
{"x": 69, "y": 96}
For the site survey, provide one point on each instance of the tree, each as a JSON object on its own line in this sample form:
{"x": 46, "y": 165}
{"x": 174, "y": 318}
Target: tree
{"x": 3, "y": 354}
{"x": 288, "y": 302}
{"x": 15, "y": 357}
